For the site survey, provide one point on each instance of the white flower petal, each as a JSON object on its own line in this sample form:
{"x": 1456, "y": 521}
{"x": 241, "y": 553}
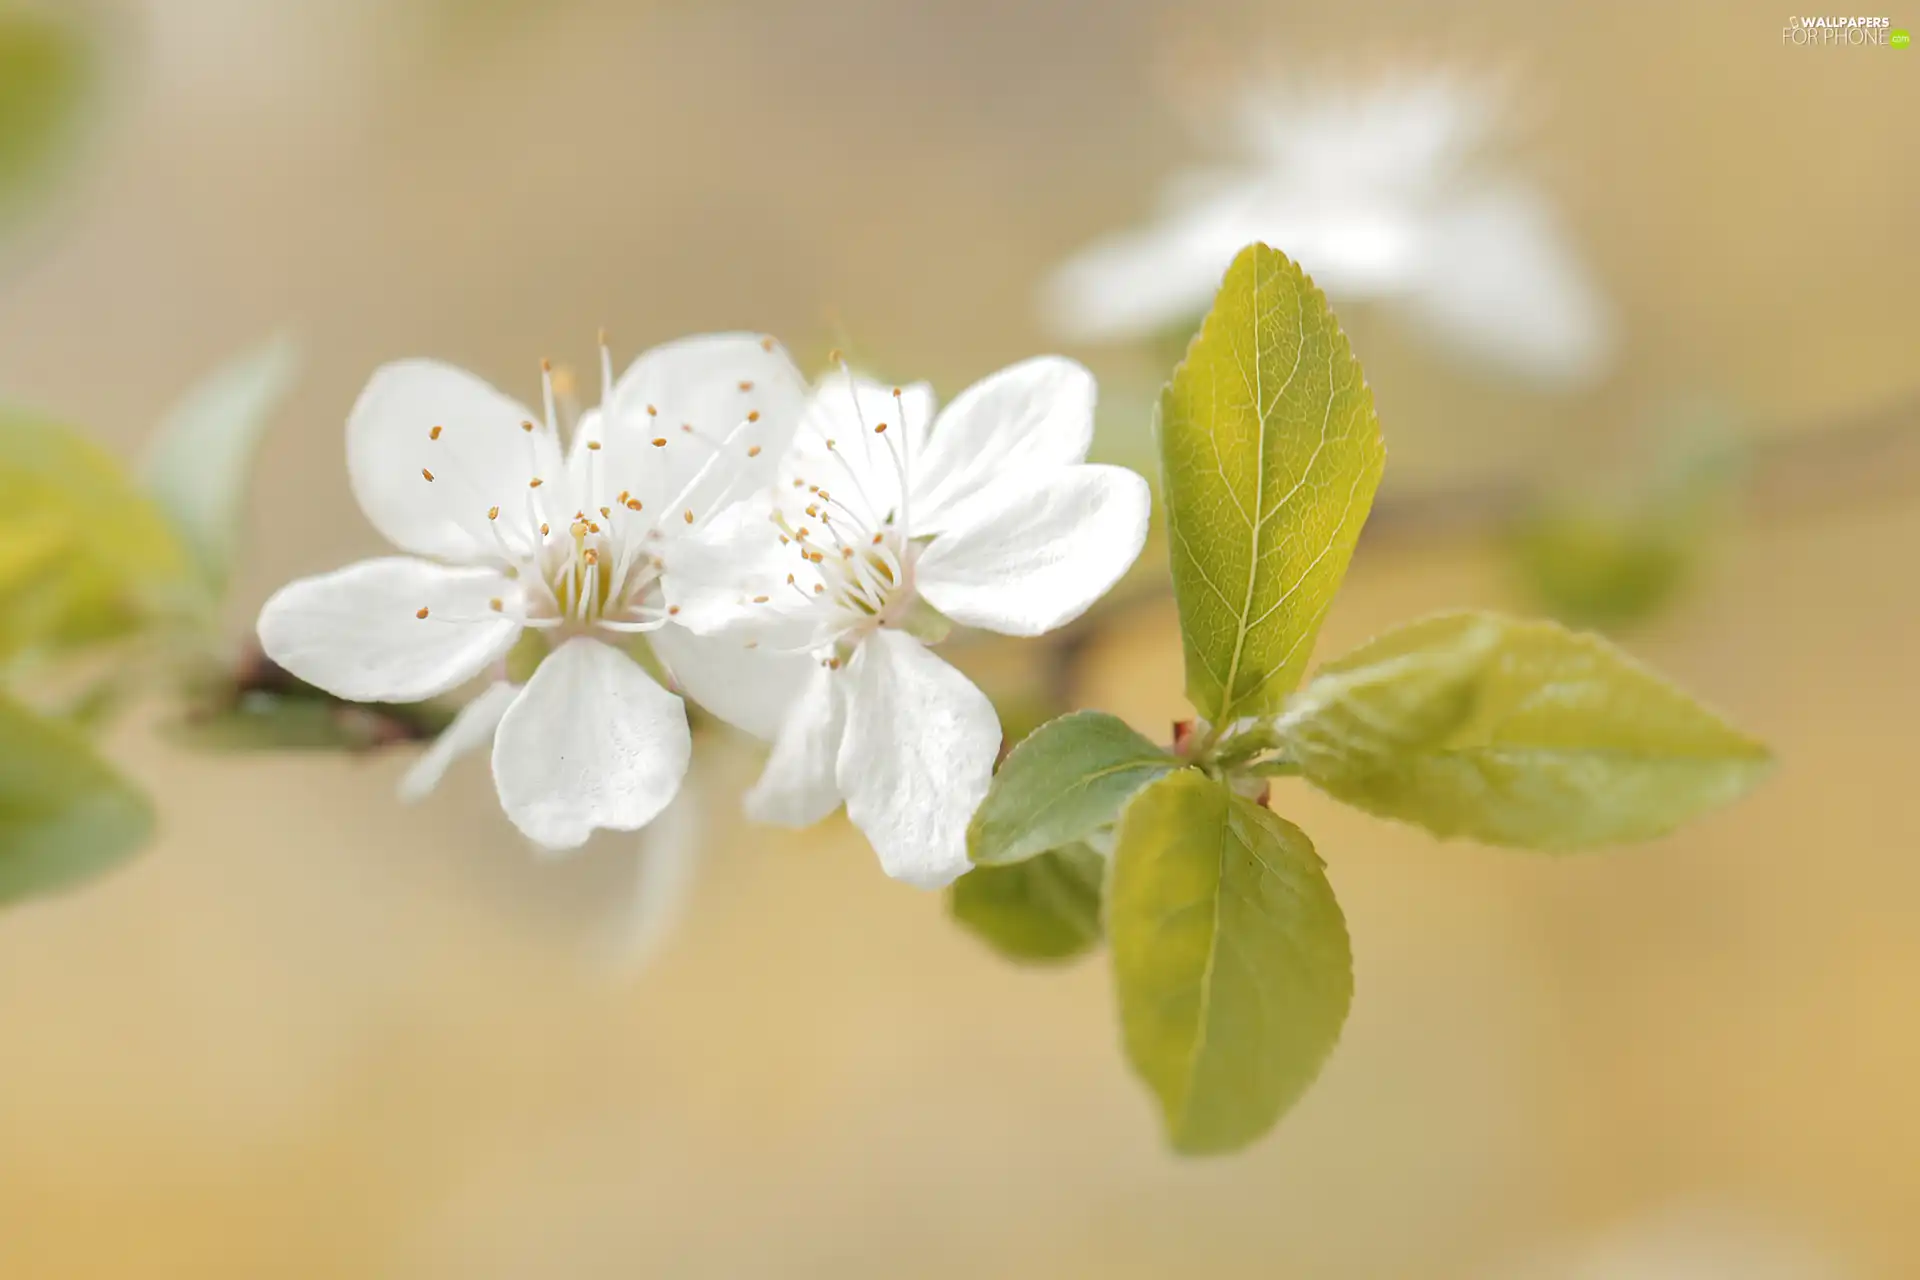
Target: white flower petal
{"x": 916, "y": 759}
{"x": 1136, "y": 284}
{"x": 729, "y": 579}
{"x": 1503, "y": 284}
{"x": 591, "y": 742}
{"x": 1032, "y": 416}
{"x": 1033, "y": 555}
{"x": 471, "y": 730}
{"x": 726, "y": 406}
{"x": 751, "y": 689}
{"x": 797, "y": 789}
{"x": 357, "y": 632}
{"x": 482, "y": 458}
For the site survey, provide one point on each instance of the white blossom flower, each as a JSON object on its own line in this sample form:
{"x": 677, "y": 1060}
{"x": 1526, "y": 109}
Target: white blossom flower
{"x": 884, "y": 524}
{"x": 1379, "y": 194}
{"x": 508, "y": 530}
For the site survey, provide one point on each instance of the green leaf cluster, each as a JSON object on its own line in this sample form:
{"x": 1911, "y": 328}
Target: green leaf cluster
{"x": 101, "y": 567}
{"x": 1230, "y": 958}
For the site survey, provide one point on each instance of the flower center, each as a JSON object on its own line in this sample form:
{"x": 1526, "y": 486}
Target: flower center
{"x": 593, "y": 567}
{"x": 855, "y": 546}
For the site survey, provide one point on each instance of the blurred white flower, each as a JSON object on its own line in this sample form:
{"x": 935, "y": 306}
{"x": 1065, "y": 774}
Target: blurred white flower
{"x": 1377, "y": 194}
{"x": 508, "y": 532}
{"x": 886, "y": 523}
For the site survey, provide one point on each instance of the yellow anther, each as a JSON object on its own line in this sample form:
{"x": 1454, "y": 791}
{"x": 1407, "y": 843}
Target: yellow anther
{"x": 876, "y": 539}
{"x": 493, "y": 513}
{"x": 761, "y": 599}
{"x": 535, "y": 483}
{"x": 753, "y": 451}
{"x": 526, "y": 426}
{"x": 633, "y": 504}
{"x": 428, "y": 474}
{"x": 819, "y": 588}
{"x": 590, "y": 556}
{"x": 659, "y": 442}
{"x": 880, "y": 430}
{"x": 435, "y": 433}
{"x": 673, "y": 610}
{"x": 496, "y": 604}
{"x": 593, "y": 444}
{"x": 753, "y": 415}
{"x": 422, "y": 613}
{"x": 652, "y": 412}
{"x": 543, "y": 530}
{"x": 766, "y": 344}
{"x": 688, "y": 516}
{"x": 606, "y": 512}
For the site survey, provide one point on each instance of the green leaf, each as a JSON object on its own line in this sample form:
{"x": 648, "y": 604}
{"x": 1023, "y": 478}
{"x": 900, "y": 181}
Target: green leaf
{"x": 84, "y": 554}
{"x": 202, "y": 456}
{"x": 1230, "y": 959}
{"x": 1066, "y": 779}
{"x": 65, "y": 816}
{"x": 45, "y": 73}
{"x": 1595, "y": 567}
{"x": 1515, "y": 733}
{"x": 1271, "y": 455}
{"x": 1044, "y": 909}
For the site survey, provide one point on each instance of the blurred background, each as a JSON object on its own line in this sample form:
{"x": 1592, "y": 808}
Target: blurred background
{"x": 312, "y": 1032}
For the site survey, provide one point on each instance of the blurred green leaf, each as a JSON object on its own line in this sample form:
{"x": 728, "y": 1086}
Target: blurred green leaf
{"x": 1271, "y": 454}
{"x": 1515, "y": 733}
{"x": 65, "y": 815}
{"x": 1230, "y": 959}
{"x": 45, "y": 74}
{"x": 1046, "y": 908}
{"x": 84, "y": 554}
{"x": 1064, "y": 780}
{"x": 1603, "y": 567}
{"x": 202, "y": 456}
{"x": 1617, "y": 550}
